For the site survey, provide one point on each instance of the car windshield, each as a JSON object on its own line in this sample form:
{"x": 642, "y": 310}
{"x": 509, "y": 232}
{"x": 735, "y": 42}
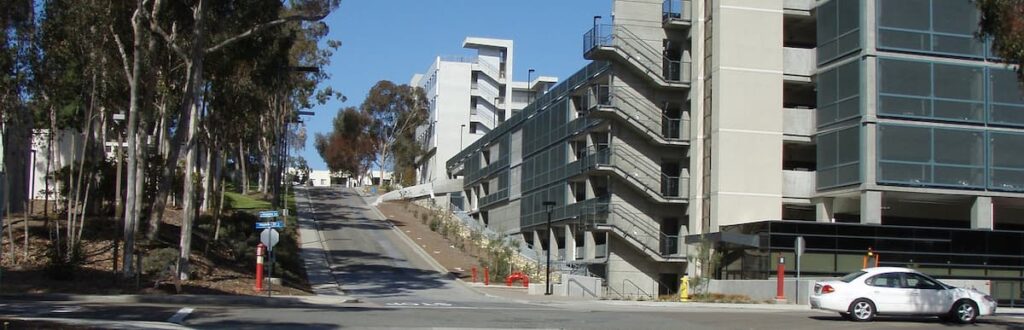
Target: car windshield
{"x": 851, "y": 276}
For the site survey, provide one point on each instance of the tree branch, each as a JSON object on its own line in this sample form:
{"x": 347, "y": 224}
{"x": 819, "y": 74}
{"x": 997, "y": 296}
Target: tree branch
{"x": 124, "y": 55}
{"x": 154, "y": 26}
{"x": 264, "y": 26}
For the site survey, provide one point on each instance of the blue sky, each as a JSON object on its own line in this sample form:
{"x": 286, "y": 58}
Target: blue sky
{"x": 393, "y": 39}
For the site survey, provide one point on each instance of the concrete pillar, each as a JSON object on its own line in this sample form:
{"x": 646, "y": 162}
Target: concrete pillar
{"x": 824, "y": 210}
{"x": 570, "y": 244}
{"x": 982, "y": 215}
{"x": 589, "y": 245}
{"x": 871, "y": 207}
{"x": 680, "y": 244}
{"x": 538, "y": 246}
{"x": 554, "y": 244}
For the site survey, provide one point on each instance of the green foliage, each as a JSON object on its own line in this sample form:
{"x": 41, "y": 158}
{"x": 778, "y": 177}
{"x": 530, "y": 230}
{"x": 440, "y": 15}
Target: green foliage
{"x": 1003, "y": 20}
{"x": 160, "y": 263}
{"x": 707, "y": 261}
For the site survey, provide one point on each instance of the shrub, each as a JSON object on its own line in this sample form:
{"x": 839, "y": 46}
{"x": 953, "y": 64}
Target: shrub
{"x": 63, "y": 264}
{"x": 160, "y": 264}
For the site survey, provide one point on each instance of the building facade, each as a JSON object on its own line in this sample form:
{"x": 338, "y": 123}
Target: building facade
{"x": 468, "y": 97}
{"x": 856, "y": 124}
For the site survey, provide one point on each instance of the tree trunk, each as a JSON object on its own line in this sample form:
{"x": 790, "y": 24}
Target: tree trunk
{"x": 242, "y": 159}
{"x": 207, "y": 178}
{"x": 131, "y": 197}
{"x": 196, "y": 72}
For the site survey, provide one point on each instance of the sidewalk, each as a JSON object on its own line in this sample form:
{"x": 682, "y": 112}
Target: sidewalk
{"x": 314, "y": 253}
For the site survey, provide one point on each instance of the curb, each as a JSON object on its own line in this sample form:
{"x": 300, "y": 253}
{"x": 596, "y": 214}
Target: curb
{"x": 104, "y": 323}
{"x": 336, "y": 286}
{"x": 220, "y": 300}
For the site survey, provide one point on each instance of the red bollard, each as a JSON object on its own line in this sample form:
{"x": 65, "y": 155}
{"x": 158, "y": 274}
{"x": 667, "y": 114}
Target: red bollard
{"x": 474, "y": 274}
{"x": 259, "y": 267}
{"x": 487, "y": 277}
{"x": 780, "y": 286}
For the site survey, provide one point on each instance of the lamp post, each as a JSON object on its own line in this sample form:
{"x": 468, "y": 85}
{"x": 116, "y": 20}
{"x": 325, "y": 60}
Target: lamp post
{"x": 460, "y": 135}
{"x": 529, "y": 88}
{"x": 548, "y": 205}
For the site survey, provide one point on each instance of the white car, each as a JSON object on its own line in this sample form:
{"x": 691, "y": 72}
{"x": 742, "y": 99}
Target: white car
{"x": 861, "y": 295}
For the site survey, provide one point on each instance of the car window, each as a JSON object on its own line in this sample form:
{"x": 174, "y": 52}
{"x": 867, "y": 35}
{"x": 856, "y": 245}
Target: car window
{"x": 915, "y": 281}
{"x": 851, "y": 276}
{"x": 887, "y": 280}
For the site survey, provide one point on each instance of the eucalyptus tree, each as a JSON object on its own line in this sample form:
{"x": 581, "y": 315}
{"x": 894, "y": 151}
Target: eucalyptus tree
{"x": 395, "y": 112}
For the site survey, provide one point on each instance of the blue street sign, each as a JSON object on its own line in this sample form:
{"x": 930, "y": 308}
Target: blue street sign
{"x": 269, "y": 214}
{"x": 274, "y": 224}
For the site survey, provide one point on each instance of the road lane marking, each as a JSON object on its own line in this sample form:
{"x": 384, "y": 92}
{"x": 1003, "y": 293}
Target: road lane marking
{"x": 66, "y": 309}
{"x": 180, "y": 316}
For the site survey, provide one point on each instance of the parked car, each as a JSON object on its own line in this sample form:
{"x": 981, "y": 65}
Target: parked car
{"x": 861, "y": 295}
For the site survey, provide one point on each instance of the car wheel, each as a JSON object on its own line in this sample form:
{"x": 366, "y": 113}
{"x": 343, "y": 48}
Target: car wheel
{"x": 862, "y": 310}
{"x": 964, "y": 311}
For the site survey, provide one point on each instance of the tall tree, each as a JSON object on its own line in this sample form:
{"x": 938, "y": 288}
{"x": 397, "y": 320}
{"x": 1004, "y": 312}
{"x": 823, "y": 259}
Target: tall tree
{"x": 1003, "y": 20}
{"x": 349, "y": 146}
{"x": 395, "y": 111}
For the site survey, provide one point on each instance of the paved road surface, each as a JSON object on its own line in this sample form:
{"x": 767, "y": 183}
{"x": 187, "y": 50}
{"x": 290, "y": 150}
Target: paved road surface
{"x": 374, "y": 263}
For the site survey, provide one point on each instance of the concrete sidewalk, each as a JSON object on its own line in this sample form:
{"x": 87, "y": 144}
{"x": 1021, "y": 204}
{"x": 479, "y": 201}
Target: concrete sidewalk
{"x": 314, "y": 252}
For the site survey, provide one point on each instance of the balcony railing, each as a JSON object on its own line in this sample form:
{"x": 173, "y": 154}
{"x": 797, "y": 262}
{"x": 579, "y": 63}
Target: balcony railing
{"x": 676, "y": 10}
{"x": 651, "y": 60}
{"x": 633, "y": 106}
{"x": 632, "y": 166}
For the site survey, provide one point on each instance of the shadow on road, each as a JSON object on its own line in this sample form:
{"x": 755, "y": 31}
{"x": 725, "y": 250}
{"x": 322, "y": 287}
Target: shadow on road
{"x": 931, "y": 321}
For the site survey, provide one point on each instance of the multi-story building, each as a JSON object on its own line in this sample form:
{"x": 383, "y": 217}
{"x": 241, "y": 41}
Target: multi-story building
{"x": 881, "y": 125}
{"x": 468, "y": 97}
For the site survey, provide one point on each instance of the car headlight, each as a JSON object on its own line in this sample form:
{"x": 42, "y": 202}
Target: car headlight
{"x": 989, "y": 298}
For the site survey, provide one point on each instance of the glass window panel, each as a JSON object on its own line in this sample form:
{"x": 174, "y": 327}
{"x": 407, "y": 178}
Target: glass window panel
{"x": 905, "y": 77}
{"x": 848, "y": 43}
{"x": 960, "y": 176}
{"x": 848, "y": 145}
{"x": 955, "y": 16}
{"x": 966, "y": 45}
{"x": 1006, "y": 114}
{"x": 826, "y": 51}
{"x": 826, "y": 115}
{"x": 959, "y": 82}
{"x": 1007, "y": 179}
{"x": 910, "y": 173}
{"x": 1006, "y": 150}
{"x": 907, "y": 14}
{"x": 959, "y": 147}
{"x": 848, "y": 174}
{"x": 904, "y": 39}
{"x": 827, "y": 22}
{"x": 827, "y": 82}
{"x": 848, "y": 80}
{"x": 847, "y": 109}
{"x": 827, "y": 153}
{"x": 1004, "y": 87}
{"x": 848, "y": 15}
{"x": 959, "y": 111}
{"x": 904, "y": 106}
{"x": 903, "y": 143}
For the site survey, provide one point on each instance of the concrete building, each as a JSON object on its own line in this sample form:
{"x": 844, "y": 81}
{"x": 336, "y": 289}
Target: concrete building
{"x": 469, "y": 96}
{"x": 857, "y": 124}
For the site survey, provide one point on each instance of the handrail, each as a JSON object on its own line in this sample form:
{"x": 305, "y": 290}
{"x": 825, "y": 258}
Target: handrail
{"x": 654, "y": 62}
{"x": 622, "y": 99}
{"x": 612, "y": 156}
{"x": 669, "y": 12}
{"x": 638, "y": 288}
{"x": 584, "y": 288}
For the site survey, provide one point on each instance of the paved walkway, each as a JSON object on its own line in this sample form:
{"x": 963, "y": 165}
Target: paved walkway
{"x": 313, "y": 250}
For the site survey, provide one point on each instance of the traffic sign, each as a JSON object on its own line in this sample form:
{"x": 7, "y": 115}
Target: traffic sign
{"x": 269, "y": 214}
{"x": 269, "y": 238}
{"x": 271, "y": 224}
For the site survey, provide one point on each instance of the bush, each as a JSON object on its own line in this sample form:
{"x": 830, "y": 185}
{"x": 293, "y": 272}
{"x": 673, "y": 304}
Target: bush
{"x": 435, "y": 223}
{"x": 62, "y": 264}
{"x": 160, "y": 264}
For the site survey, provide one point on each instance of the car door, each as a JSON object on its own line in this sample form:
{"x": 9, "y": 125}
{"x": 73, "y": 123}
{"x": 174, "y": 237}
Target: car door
{"x": 926, "y": 295}
{"x": 888, "y": 293}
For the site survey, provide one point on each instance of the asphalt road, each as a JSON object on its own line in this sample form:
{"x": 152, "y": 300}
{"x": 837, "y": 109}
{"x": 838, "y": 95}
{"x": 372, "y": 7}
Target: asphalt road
{"x": 398, "y": 288}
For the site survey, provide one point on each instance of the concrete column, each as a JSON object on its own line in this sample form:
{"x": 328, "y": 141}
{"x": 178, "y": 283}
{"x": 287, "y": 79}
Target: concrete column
{"x": 681, "y": 248}
{"x": 554, "y": 244}
{"x": 589, "y": 245}
{"x": 570, "y": 244}
{"x": 982, "y": 213}
{"x": 871, "y": 207}
{"x": 538, "y": 246}
{"x": 824, "y": 210}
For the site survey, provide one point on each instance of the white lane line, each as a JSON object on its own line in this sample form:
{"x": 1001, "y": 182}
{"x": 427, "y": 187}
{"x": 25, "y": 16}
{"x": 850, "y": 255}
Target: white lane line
{"x": 180, "y": 316}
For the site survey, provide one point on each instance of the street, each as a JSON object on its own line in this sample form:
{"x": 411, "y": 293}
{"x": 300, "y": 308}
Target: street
{"x": 396, "y": 287}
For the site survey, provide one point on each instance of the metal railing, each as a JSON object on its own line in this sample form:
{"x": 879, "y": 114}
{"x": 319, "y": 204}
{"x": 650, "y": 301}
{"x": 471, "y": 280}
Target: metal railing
{"x": 676, "y": 10}
{"x": 652, "y": 61}
{"x": 634, "y": 169}
{"x": 633, "y": 106}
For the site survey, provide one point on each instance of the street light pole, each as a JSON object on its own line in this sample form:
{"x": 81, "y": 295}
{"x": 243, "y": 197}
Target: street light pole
{"x": 547, "y": 280}
{"x": 460, "y": 135}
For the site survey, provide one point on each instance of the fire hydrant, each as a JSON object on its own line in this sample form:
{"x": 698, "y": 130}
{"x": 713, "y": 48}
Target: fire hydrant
{"x": 259, "y": 266}
{"x": 684, "y": 288}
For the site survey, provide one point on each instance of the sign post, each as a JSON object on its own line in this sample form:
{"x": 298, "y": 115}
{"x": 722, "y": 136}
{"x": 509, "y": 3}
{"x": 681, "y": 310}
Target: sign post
{"x": 798, "y": 248}
{"x": 269, "y": 237}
